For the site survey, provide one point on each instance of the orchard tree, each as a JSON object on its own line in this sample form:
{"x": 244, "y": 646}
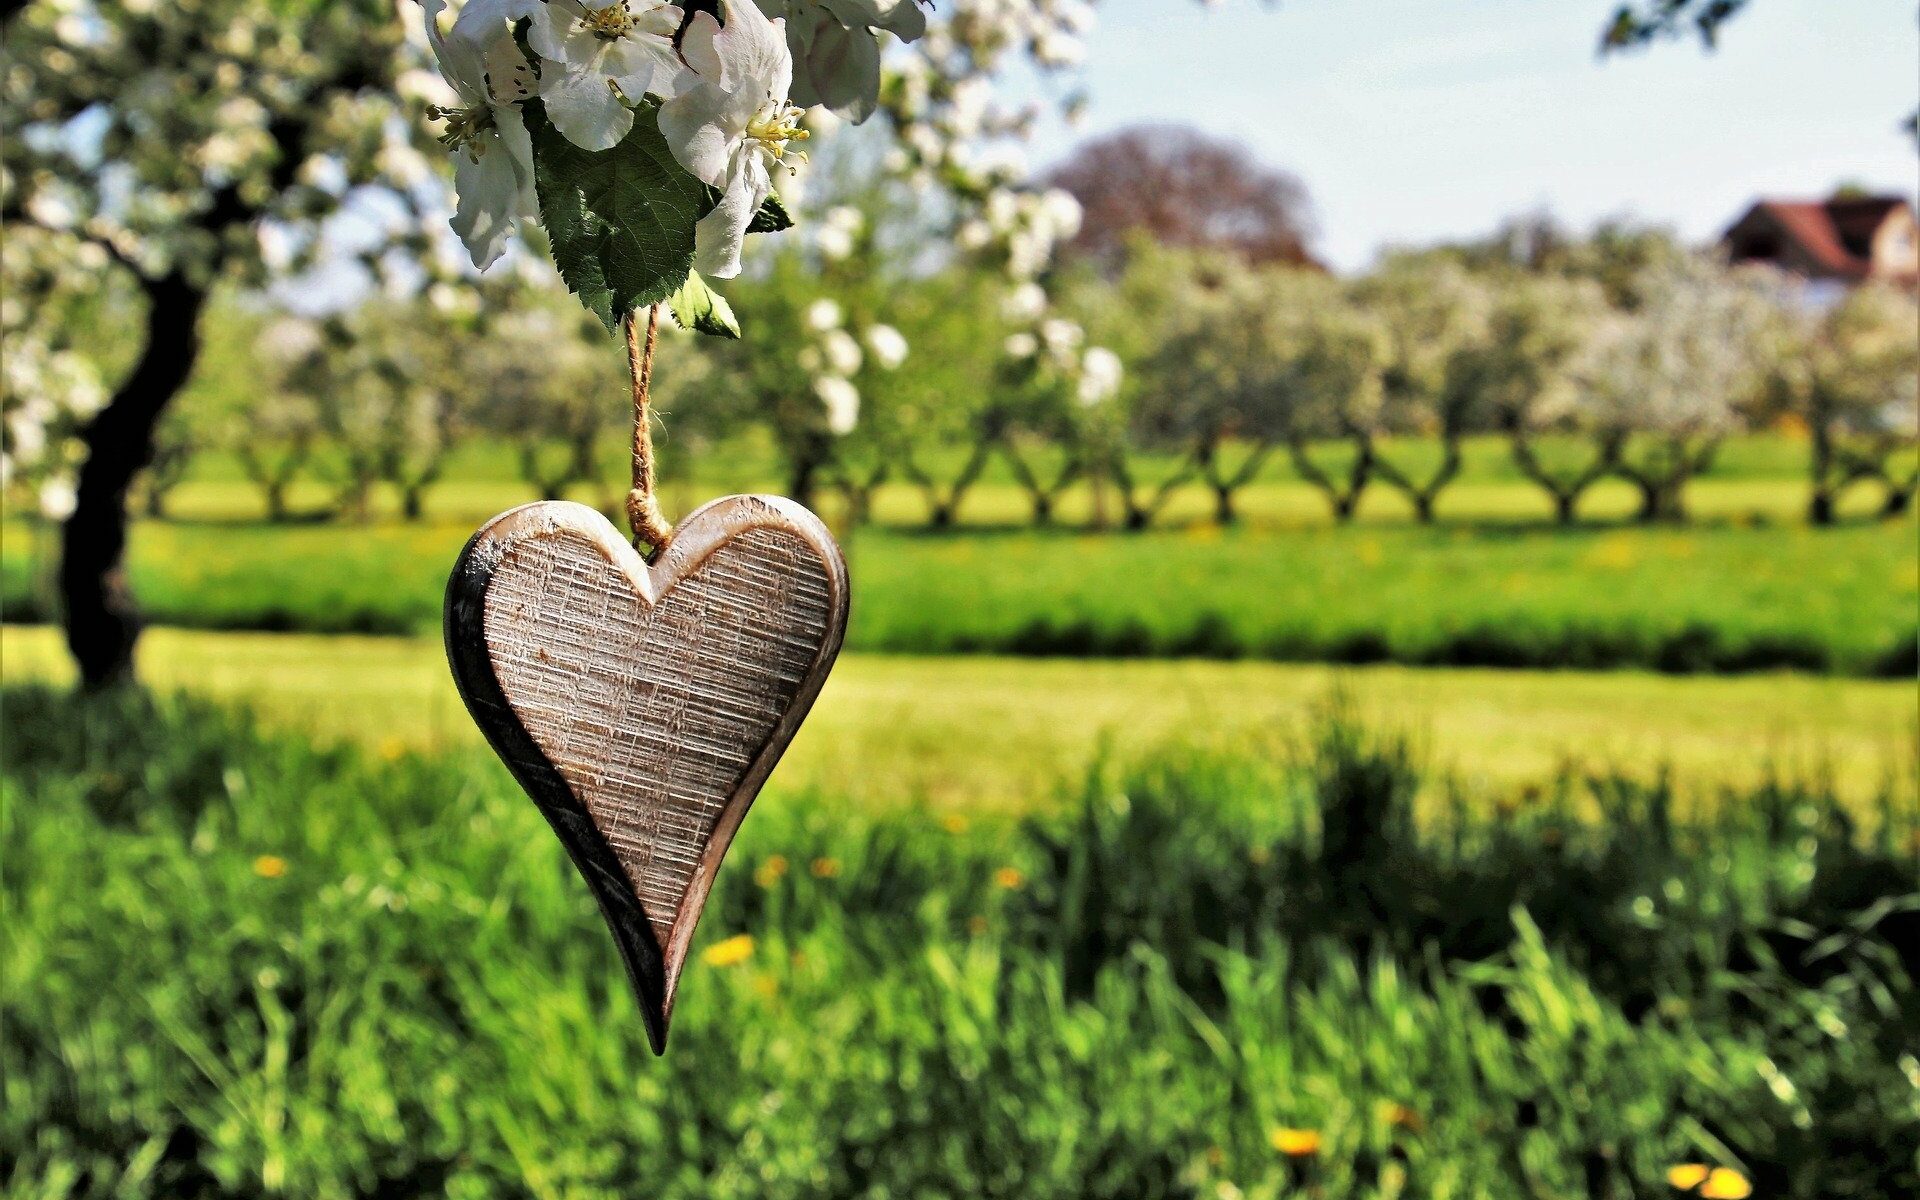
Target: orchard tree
{"x": 273, "y": 437}
{"x": 946, "y": 409}
{"x": 1851, "y": 374}
{"x": 186, "y": 143}
{"x": 1431, "y": 308}
{"x": 1333, "y": 372}
{"x": 1230, "y": 375}
{"x": 1053, "y": 387}
{"x": 539, "y": 380}
{"x": 1667, "y": 381}
{"x": 1523, "y": 369}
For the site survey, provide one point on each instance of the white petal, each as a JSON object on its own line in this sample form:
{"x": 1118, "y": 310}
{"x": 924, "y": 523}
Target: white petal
{"x": 481, "y": 22}
{"x": 752, "y": 53}
{"x": 489, "y": 200}
{"x": 583, "y": 108}
{"x": 514, "y": 142}
{"x": 641, "y": 65}
{"x": 698, "y": 47}
{"x": 718, "y": 238}
{"x": 462, "y": 64}
{"x": 555, "y": 31}
{"x": 841, "y": 70}
{"x": 692, "y": 124}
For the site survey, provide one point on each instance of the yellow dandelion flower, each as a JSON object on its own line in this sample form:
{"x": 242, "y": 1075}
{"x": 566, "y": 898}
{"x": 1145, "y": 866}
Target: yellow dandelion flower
{"x": 392, "y": 748}
{"x": 825, "y": 868}
{"x": 1725, "y": 1183}
{"x": 1294, "y": 1143}
{"x": 269, "y": 866}
{"x": 953, "y": 823}
{"x": 1008, "y": 878}
{"x": 771, "y": 870}
{"x": 728, "y": 953}
{"x": 1687, "y": 1176}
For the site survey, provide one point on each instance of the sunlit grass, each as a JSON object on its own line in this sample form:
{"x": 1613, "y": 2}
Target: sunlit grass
{"x": 994, "y": 734}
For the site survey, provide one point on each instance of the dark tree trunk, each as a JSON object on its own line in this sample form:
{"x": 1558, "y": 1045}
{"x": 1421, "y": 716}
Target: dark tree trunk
{"x": 800, "y": 480}
{"x": 1564, "y": 504}
{"x": 1899, "y": 499}
{"x": 102, "y": 623}
{"x": 413, "y": 502}
{"x": 1223, "y": 510}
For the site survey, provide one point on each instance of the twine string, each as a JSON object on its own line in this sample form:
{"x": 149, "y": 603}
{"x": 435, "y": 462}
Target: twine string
{"x": 650, "y": 525}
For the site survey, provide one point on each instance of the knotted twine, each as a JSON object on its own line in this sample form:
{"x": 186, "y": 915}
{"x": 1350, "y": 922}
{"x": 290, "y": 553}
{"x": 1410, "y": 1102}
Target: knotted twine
{"x": 650, "y": 525}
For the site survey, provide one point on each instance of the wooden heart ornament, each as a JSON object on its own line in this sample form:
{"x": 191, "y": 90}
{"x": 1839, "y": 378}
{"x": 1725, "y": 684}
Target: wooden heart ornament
{"x": 643, "y": 706}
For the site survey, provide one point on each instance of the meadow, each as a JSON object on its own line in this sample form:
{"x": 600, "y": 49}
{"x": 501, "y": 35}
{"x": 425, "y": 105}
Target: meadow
{"x": 1748, "y": 587}
{"x": 241, "y": 965}
{"x": 1060, "y": 903}
{"x": 976, "y": 734}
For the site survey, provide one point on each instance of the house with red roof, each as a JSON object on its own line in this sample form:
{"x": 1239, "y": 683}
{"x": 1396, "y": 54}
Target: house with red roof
{"x": 1848, "y": 239}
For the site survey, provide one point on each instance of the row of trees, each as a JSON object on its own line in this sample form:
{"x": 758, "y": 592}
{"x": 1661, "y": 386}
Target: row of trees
{"x": 1625, "y": 360}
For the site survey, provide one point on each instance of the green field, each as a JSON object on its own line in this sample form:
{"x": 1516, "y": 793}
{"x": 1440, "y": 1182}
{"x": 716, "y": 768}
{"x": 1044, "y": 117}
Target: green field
{"x": 1717, "y": 598}
{"x": 1749, "y": 586}
{"x": 992, "y": 735}
{"x": 237, "y": 965}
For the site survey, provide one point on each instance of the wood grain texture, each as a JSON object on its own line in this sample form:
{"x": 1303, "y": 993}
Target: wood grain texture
{"x": 642, "y": 707}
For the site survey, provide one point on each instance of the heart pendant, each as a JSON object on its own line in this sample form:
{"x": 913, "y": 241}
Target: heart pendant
{"x": 643, "y": 706}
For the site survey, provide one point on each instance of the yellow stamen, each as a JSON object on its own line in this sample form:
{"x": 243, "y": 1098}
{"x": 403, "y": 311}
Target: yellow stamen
{"x": 774, "y": 126}
{"x": 610, "y": 23}
{"x": 464, "y": 127}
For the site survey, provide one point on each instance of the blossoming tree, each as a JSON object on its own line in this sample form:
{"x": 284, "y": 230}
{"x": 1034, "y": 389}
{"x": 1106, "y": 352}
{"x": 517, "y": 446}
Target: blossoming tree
{"x": 200, "y": 142}
{"x": 1852, "y": 375}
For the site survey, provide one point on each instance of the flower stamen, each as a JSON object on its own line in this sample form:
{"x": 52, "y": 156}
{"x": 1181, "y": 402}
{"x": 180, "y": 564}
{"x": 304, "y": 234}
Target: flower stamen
{"x": 464, "y": 127}
{"x": 610, "y": 23}
{"x": 774, "y": 126}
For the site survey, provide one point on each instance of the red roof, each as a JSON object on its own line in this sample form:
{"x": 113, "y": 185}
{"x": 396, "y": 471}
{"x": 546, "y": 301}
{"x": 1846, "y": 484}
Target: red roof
{"x": 1836, "y": 234}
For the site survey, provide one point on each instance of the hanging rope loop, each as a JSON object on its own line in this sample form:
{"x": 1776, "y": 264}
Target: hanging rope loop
{"x": 650, "y": 525}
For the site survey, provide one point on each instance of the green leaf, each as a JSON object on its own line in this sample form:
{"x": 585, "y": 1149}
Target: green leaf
{"x": 699, "y": 308}
{"x": 771, "y": 218}
{"x": 621, "y": 220}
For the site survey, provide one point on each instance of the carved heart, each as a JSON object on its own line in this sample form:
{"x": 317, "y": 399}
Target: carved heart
{"x": 642, "y": 707}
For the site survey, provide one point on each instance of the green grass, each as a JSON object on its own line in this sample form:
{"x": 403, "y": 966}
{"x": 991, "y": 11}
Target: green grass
{"x": 236, "y": 965}
{"x": 967, "y": 734}
{"x": 1718, "y": 598}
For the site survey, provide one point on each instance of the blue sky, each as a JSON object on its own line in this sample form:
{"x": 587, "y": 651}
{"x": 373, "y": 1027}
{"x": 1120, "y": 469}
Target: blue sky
{"x": 1411, "y": 120}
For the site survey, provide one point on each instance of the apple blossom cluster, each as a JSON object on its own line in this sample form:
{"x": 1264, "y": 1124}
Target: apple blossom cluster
{"x": 1051, "y": 351}
{"x": 832, "y": 356}
{"x": 723, "y": 89}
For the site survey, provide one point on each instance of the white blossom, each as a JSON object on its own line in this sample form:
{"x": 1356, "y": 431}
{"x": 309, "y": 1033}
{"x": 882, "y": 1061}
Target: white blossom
{"x": 836, "y": 230}
{"x": 842, "y": 402}
{"x": 888, "y": 345}
{"x": 599, "y": 56}
{"x": 1100, "y": 375}
{"x": 732, "y": 125}
{"x": 823, "y": 314}
{"x": 842, "y": 353}
{"x": 492, "y": 154}
{"x": 836, "y": 53}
